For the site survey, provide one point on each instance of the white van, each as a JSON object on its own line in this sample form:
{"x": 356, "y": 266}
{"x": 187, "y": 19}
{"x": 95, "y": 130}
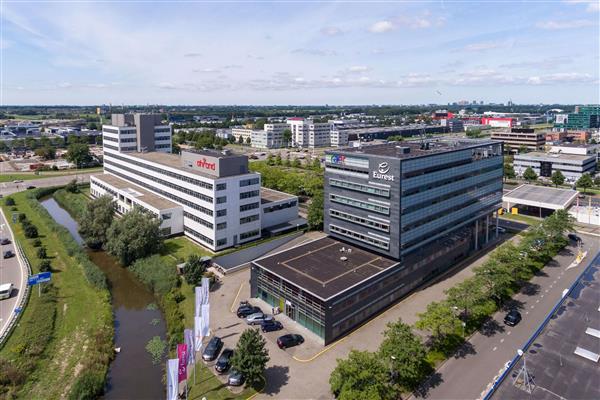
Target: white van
{"x": 5, "y": 290}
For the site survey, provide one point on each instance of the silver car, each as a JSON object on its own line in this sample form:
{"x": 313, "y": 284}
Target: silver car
{"x": 258, "y": 318}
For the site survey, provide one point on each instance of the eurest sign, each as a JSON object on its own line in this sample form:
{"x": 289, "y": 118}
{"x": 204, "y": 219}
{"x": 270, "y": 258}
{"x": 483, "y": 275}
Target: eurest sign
{"x": 382, "y": 172}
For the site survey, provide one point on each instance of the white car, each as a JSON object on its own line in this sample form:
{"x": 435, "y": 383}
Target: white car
{"x": 258, "y": 318}
{"x": 5, "y": 290}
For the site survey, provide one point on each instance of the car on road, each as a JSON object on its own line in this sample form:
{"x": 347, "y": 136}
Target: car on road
{"x": 18, "y": 181}
{"x": 212, "y": 349}
{"x": 258, "y": 318}
{"x": 269, "y": 326}
{"x": 8, "y": 254}
{"x": 224, "y": 361}
{"x": 236, "y": 378}
{"x": 289, "y": 340}
{"x": 246, "y": 309}
{"x": 5, "y": 290}
{"x": 574, "y": 237}
{"x": 4, "y": 241}
{"x": 30, "y": 187}
{"x": 512, "y": 318}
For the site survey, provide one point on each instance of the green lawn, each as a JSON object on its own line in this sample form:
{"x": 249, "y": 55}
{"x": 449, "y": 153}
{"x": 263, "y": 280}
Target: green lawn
{"x": 180, "y": 248}
{"x": 27, "y": 176}
{"x": 207, "y": 385}
{"x": 81, "y": 311}
{"x": 522, "y": 218}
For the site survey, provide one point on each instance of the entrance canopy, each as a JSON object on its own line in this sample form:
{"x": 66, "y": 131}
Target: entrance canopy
{"x": 540, "y": 196}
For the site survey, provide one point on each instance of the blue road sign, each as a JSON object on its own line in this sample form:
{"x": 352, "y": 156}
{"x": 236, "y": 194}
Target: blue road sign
{"x": 39, "y": 278}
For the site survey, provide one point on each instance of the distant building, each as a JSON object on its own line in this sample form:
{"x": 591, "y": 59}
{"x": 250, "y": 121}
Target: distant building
{"x": 572, "y": 166}
{"x": 581, "y": 149}
{"x": 453, "y": 125}
{"x": 137, "y": 132}
{"x": 309, "y": 134}
{"x": 241, "y": 132}
{"x": 498, "y": 122}
{"x": 584, "y": 117}
{"x": 517, "y": 137}
{"x": 555, "y": 136}
{"x": 271, "y": 137}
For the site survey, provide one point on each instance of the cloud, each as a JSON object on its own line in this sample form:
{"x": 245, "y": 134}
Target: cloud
{"x": 206, "y": 70}
{"x": 547, "y": 63}
{"x": 314, "y": 52}
{"x": 483, "y": 46}
{"x": 358, "y": 69}
{"x": 592, "y": 5}
{"x": 331, "y": 31}
{"x": 565, "y": 24}
{"x": 562, "y": 78}
{"x": 382, "y": 26}
{"x": 192, "y": 55}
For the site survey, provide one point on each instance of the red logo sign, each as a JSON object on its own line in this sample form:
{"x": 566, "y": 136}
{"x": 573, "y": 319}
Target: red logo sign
{"x": 205, "y": 164}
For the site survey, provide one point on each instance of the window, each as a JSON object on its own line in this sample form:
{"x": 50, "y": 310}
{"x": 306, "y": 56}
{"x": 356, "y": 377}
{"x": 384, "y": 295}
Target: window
{"x": 165, "y": 231}
{"x": 359, "y": 236}
{"x": 221, "y": 226}
{"x": 221, "y": 186}
{"x": 248, "y": 182}
{"x": 249, "y": 234}
{"x": 221, "y": 200}
{"x": 381, "y": 209}
{"x": 279, "y": 207}
{"x": 250, "y": 206}
{"x": 198, "y": 219}
{"x": 166, "y": 216}
{"x": 221, "y": 242}
{"x": 198, "y": 235}
{"x": 247, "y": 195}
{"x": 221, "y": 213}
{"x": 382, "y": 226}
{"x": 249, "y": 219}
{"x": 360, "y": 188}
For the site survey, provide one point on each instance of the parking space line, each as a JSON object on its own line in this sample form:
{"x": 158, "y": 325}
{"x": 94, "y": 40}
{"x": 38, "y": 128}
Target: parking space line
{"x": 236, "y": 297}
{"x": 502, "y": 340}
{"x": 495, "y": 348}
{"x": 532, "y": 306}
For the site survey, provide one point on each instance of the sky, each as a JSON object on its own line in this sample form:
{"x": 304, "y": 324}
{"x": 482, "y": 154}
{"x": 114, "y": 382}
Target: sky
{"x": 298, "y": 52}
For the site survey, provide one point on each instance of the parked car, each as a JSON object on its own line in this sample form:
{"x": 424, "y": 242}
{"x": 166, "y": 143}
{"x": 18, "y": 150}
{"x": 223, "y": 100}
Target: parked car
{"x": 223, "y": 363}
{"x": 258, "y": 318}
{"x": 8, "y": 254}
{"x": 512, "y": 318}
{"x": 289, "y": 340}
{"x": 574, "y": 237}
{"x": 30, "y": 187}
{"x": 18, "y": 181}
{"x": 269, "y": 326}
{"x": 236, "y": 378}
{"x": 4, "y": 241}
{"x": 212, "y": 349}
{"x": 5, "y": 290}
{"x": 246, "y": 309}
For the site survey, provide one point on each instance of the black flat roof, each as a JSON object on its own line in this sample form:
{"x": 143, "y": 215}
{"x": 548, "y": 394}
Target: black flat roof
{"x": 415, "y": 148}
{"x": 317, "y": 266}
{"x": 557, "y": 357}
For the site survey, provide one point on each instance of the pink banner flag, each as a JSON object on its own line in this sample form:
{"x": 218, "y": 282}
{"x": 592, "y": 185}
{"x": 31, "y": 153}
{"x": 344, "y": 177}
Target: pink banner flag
{"x": 182, "y": 355}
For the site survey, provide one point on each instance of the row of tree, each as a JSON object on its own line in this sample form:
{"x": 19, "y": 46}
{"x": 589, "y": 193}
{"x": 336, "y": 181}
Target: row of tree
{"x": 557, "y": 178}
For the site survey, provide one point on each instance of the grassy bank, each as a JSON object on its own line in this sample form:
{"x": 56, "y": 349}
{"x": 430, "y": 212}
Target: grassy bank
{"x": 27, "y": 176}
{"x": 64, "y": 336}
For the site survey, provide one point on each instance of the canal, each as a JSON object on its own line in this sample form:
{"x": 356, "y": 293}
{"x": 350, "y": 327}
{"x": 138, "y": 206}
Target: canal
{"x": 132, "y": 374}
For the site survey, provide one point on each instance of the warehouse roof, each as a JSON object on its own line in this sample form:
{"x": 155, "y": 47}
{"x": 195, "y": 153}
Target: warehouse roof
{"x": 541, "y": 196}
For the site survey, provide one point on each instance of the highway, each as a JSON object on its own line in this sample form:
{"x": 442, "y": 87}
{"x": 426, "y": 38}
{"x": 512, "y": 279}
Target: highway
{"x": 469, "y": 373}
{"x": 11, "y": 187}
{"x": 11, "y": 271}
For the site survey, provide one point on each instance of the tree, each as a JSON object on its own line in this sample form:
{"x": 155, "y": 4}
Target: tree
{"x": 270, "y": 159}
{"x": 465, "y": 296}
{"x": 78, "y": 154}
{"x": 315, "y": 212}
{"x": 30, "y": 231}
{"x": 523, "y": 149}
{"x": 96, "y": 221}
{"x": 316, "y": 164}
{"x": 406, "y": 355}
{"x": 439, "y": 319}
{"x": 45, "y": 265}
{"x": 585, "y": 182}
{"x": 530, "y": 175}
{"x": 72, "y": 186}
{"x": 248, "y": 140}
{"x": 250, "y": 356}
{"x": 362, "y": 376}
{"x": 134, "y": 236}
{"x": 395, "y": 138}
{"x": 260, "y": 123}
{"x": 597, "y": 180}
{"x": 474, "y": 133}
{"x": 287, "y": 137}
{"x": 287, "y": 162}
{"x": 557, "y": 225}
{"x": 509, "y": 171}
{"x": 496, "y": 279}
{"x": 9, "y": 201}
{"x": 557, "y": 178}
{"x": 240, "y": 140}
{"x": 296, "y": 163}
{"x": 46, "y": 153}
{"x": 41, "y": 253}
{"x": 194, "y": 270}
{"x": 278, "y": 159}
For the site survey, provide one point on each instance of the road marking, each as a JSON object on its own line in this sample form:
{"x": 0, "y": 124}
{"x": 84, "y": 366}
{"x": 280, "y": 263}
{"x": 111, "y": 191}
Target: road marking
{"x": 236, "y": 297}
{"x": 546, "y": 290}
{"x": 537, "y": 301}
{"x": 495, "y": 348}
{"x": 508, "y": 333}
{"x": 502, "y": 340}
{"x": 551, "y": 286}
{"x": 526, "y": 312}
{"x": 542, "y": 296}
{"x": 554, "y": 283}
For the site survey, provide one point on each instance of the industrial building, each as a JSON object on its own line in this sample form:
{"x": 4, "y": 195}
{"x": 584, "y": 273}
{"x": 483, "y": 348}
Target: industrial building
{"x": 517, "y": 138}
{"x": 572, "y": 166}
{"x": 396, "y": 216}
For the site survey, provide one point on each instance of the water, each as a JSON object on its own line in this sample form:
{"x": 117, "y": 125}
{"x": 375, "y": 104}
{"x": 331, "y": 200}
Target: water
{"x": 132, "y": 374}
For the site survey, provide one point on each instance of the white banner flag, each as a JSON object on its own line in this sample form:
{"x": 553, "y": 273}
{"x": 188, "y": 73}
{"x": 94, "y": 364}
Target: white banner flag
{"x": 172, "y": 379}
{"x": 205, "y": 319}
{"x": 198, "y": 333}
{"x": 205, "y": 290}
{"x": 188, "y": 338}
{"x": 198, "y": 292}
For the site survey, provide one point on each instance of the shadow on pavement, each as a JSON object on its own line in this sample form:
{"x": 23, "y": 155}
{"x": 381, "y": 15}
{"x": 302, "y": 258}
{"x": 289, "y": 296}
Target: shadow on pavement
{"x": 277, "y": 376}
{"x": 464, "y": 350}
{"x": 490, "y": 328}
{"x": 530, "y": 289}
{"x": 434, "y": 380}
{"x": 511, "y": 304}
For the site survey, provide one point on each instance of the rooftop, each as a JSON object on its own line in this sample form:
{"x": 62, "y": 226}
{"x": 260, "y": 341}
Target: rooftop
{"x": 558, "y": 358}
{"x": 541, "y": 196}
{"x": 319, "y": 266}
{"x": 270, "y": 195}
{"x": 550, "y": 156}
{"x": 139, "y": 193}
{"x": 416, "y": 149}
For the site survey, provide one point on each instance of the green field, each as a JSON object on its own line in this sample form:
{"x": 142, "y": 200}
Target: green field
{"x": 27, "y": 176}
{"x": 522, "y": 218}
{"x": 82, "y": 311}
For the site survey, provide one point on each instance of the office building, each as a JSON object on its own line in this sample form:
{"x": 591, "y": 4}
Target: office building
{"x": 137, "y": 132}
{"x": 572, "y": 166}
{"x": 498, "y": 122}
{"x": 584, "y": 117}
{"x": 396, "y": 216}
{"x": 517, "y": 137}
{"x": 244, "y": 133}
{"x": 453, "y": 125}
{"x": 210, "y": 196}
{"x": 271, "y": 137}
{"x": 309, "y": 134}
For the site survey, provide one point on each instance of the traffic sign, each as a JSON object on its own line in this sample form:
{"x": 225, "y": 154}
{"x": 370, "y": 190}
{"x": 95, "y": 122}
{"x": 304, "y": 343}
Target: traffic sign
{"x": 39, "y": 278}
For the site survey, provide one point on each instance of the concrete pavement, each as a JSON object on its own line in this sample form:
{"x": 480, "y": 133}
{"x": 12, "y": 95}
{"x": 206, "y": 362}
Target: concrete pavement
{"x": 485, "y": 354}
{"x": 12, "y": 270}
{"x": 8, "y": 188}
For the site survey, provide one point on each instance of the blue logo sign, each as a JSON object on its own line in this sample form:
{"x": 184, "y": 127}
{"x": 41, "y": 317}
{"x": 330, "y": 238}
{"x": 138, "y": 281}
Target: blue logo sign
{"x": 336, "y": 158}
{"x": 39, "y": 278}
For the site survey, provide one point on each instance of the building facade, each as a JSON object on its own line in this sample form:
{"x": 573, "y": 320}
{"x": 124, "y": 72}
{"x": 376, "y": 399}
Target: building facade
{"x": 137, "y": 132}
{"x": 572, "y": 166}
{"x": 245, "y": 134}
{"x": 271, "y": 137}
{"x": 309, "y": 134}
{"x": 518, "y": 137}
{"x": 584, "y": 117}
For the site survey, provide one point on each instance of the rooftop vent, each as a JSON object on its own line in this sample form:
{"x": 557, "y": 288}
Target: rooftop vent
{"x": 343, "y": 258}
{"x": 402, "y": 149}
{"x": 226, "y": 152}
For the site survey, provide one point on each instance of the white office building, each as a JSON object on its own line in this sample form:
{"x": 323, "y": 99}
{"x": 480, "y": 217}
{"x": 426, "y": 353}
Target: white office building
{"x": 271, "y": 137}
{"x": 241, "y": 132}
{"x": 572, "y": 166}
{"x": 137, "y": 132}
{"x": 309, "y": 134}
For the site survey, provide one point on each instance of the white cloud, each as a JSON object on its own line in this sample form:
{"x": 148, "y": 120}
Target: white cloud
{"x": 382, "y": 26}
{"x": 314, "y": 52}
{"x": 191, "y": 55}
{"x": 592, "y": 5}
{"x": 358, "y": 69}
{"x": 483, "y": 46}
{"x": 566, "y": 24}
{"x": 331, "y": 31}
{"x": 206, "y": 70}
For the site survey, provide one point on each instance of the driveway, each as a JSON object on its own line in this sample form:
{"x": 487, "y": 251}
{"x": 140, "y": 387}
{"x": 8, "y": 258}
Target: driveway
{"x": 7, "y": 188}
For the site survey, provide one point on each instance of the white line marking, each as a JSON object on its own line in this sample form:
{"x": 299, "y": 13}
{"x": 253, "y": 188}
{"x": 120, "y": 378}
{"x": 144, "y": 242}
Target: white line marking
{"x": 537, "y": 301}
{"x": 502, "y": 340}
{"x": 526, "y": 312}
{"x": 508, "y": 333}
{"x": 532, "y": 306}
{"x": 542, "y": 296}
{"x": 546, "y": 290}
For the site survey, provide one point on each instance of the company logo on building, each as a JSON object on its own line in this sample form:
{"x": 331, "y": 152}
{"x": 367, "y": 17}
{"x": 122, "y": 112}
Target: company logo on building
{"x": 207, "y": 165}
{"x": 336, "y": 159}
{"x": 382, "y": 172}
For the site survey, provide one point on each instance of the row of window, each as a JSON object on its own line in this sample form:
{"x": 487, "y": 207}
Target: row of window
{"x": 128, "y": 140}
{"x": 360, "y": 220}
{"x": 360, "y": 187}
{"x": 198, "y": 235}
{"x": 107, "y": 189}
{"x": 162, "y": 192}
{"x": 110, "y": 139}
{"x": 163, "y": 146}
{"x": 198, "y": 219}
{"x": 251, "y": 218}
{"x": 108, "y": 146}
{"x": 162, "y": 130}
{"x": 249, "y": 234}
{"x": 181, "y": 189}
{"x": 248, "y": 207}
{"x": 450, "y": 179}
{"x": 162, "y": 138}
{"x": 222, "y": 213}
{"x": 359, "y": 204}
{"x": 221, "y": 226}
{"x": 249, "y": 194}
{"x": 249, "y": 182}
{"x": 184, "y": 178}
{"x": 279, "y": 207}
{"x": 383, "y": 244}
{"x": 110, "y": 130}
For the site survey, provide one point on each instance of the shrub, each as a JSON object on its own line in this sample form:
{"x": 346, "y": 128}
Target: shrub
{"x": 72, "y": 187}
{"x": 9, "y": 201}
{"x": 89, "y": 385}
{"x": 134, "y": 236}
{"x": 45, "y": 266}
{"x": 36, "y": 243}
{"x": 30, "y": 231}
{"x": 22, "y": 218}
{"x": 159, "y": 276}
{"x": 41, "y": 252}
{"x": 194, "y": 269}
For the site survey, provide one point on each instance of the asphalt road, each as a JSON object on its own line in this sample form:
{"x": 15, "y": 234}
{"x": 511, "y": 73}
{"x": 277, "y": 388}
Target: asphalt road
{"x": 11, "y": 187}
{"x": 10, "y": 272}
{"x": 469, "y": 373}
